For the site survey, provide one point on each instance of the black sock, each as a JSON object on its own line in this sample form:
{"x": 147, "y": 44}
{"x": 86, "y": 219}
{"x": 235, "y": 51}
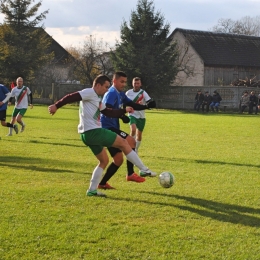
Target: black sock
{"x": 130, "y": 166}
{"x": 111, "y": 170}
{"x": 10, "y": 125}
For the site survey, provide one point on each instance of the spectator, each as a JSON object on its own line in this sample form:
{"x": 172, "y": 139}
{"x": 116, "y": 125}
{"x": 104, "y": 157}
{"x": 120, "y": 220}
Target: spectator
{"x": 216, "y": 98}
{"x": 198, "y": 100}
{"x": 12, "y": 85}
{"x": 253, "y": 102}
{"x": 206, "y": 102}
{"x": 244, "y": 102}
{"x": 259, "y": 101}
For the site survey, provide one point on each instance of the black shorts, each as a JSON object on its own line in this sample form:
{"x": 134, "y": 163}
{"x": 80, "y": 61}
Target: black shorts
{"x": 3, "y": 115}
{"x": 112, "y": 150}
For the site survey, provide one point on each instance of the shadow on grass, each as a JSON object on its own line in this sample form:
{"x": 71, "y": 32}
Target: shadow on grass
{"x": 211, "y": 209}
{"x": 201, "y": 161}
{"x": 48, "y": 143}
{"x": 33, "y": 164}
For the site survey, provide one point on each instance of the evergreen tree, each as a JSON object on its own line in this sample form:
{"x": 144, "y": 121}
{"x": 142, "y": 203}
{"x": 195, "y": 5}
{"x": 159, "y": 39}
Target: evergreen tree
{"x": 145, "y": 50}
{"x": 23, "y": 45}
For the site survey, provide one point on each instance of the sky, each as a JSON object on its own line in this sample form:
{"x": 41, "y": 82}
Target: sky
{"x": 69, "y": 22}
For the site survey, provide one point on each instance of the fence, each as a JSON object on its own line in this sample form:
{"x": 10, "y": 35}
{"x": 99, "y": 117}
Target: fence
{"x": 181, "y": 98}
{"x": 49, "y": 94}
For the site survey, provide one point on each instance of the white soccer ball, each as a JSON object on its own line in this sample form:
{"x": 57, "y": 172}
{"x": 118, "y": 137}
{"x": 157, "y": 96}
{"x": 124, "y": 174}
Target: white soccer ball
{"x": 166, "y": 179}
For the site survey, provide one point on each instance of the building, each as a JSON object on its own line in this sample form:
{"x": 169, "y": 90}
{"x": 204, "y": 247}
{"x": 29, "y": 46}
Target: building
{"x": 215, "y": 59}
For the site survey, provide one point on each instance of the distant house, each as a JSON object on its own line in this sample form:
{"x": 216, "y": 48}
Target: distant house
{"x": 61, "y": 64}
{"x": 215, "y": 59}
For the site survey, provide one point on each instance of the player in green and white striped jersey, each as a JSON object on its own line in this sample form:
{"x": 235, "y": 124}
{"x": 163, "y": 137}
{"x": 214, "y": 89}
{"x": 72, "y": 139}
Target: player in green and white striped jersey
{"x": 137, "y": 118}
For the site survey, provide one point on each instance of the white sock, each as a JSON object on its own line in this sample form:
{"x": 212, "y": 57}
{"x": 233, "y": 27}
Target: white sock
{"x": 10, "y": 130}
{"x": 134, "y": 159}
{"x": 138, "y": 143}
{"x": 95, "y": 179}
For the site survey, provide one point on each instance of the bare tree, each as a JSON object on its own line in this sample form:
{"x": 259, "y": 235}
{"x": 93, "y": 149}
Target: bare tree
{"x": 245, "y": 26}
{"x": 91, "y": 60}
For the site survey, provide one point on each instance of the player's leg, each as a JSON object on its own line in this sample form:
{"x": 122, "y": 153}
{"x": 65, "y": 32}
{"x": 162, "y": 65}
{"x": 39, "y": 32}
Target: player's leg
{"x": 4, "y": 123}
{"x": 97, "y": 174}
{"x": 10, "y": 133}
{"x": 140, "y": 128}
{"x": 133, "y": 129}
{"x": 118, "y": 159}
{"x": 19, "y": 118}
{"x": 132, "y": 156}
{"x": 131, "y": 175}
{"x": 15, "y": 113}
{"x": 94, "y": 139}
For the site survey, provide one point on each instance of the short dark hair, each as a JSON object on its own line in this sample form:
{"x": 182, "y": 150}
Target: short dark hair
{"x": 101, "y": 79}
{"x": 119, "y": 74}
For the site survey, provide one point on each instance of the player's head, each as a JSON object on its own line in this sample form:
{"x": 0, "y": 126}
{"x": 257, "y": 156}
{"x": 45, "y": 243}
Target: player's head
{"x": 101, "y": 84}
{"x": 137, "y": 83}
{"x": 119, "y": 80}
{"x": 19, "y": 82}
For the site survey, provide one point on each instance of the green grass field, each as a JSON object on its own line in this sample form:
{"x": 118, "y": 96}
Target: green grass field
{"x": 211, "y": 212}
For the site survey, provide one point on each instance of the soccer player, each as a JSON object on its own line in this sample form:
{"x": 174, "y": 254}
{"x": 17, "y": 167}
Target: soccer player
{"x": 137, "y": 118}
{"x": 21, "y": 94}
{"x": 116, "y": 98}
{"x": 4, "y": 97}
{"x": 91, "y": 133}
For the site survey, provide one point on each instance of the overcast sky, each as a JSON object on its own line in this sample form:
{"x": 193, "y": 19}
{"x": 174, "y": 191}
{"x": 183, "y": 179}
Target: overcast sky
{"x": 70, "y": 21}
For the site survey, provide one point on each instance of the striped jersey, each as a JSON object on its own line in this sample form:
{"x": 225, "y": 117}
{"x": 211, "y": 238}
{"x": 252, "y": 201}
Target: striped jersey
{"x": 21, "y": 96}
{"x": 140, "y": 97}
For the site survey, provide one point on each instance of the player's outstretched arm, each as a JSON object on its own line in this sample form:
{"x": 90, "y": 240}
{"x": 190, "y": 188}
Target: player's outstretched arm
{"x": 70, "y": 98}
{"x": 116, "y": 113}
{"x": 150, "y": 104}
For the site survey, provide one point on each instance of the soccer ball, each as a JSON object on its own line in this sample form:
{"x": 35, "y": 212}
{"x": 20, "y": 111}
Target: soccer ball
{"x": 166, "y": 179}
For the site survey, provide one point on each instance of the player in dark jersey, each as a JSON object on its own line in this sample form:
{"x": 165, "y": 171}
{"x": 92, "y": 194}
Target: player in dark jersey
{"x": 115, "y": 98}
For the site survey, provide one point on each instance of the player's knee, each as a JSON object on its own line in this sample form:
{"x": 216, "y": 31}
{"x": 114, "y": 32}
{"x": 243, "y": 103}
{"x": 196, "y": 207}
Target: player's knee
{"x": 131, "y": 141}
{"x": 118, "y": 159}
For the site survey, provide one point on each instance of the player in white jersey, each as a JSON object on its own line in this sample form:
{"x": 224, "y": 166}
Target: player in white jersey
{"x": 91, "y": 133}
{"x": 137, "y": 118}
{"x": 22, "y": 95}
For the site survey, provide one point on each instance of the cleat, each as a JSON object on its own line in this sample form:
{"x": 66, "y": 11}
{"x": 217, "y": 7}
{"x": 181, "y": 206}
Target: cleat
{"x": 16, "y": 129}
{"x": 147, "y": 173}
{"x": 135, "y": 177}
{"x": 22, "y": 128}
{"x": 105, "y": 187}
{"x": 95, "y": 193}
{"x": 9, "y": 134}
